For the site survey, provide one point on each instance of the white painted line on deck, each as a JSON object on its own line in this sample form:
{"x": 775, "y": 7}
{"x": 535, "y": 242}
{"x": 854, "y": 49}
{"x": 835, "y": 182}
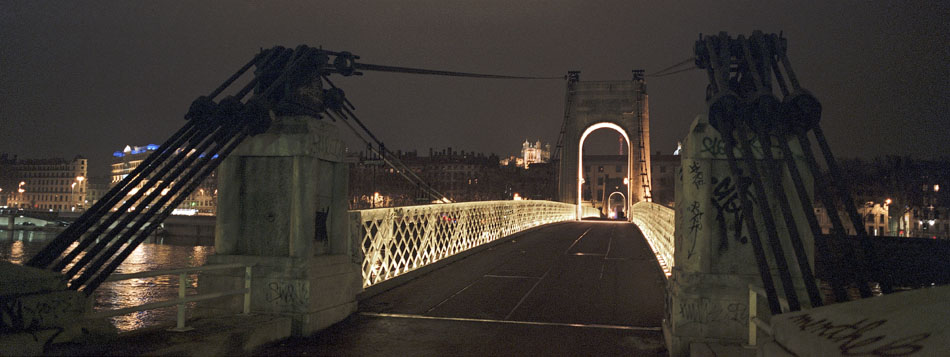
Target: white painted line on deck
{"x": 532, "y": 323}
{"x": 530, "y": 290}
{"x": 450, "y": 297}
{"x": 577, "y": 240}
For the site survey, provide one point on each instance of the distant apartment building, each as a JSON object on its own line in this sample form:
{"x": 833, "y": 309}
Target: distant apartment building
{"x": 896, "y": 196}
{"x": 458, "y": 175}
{"x": 56, "y": 185}
{"x": 663, "y": 177}
{"x": 8, "y": 179}
{"x": 203, "y": 201}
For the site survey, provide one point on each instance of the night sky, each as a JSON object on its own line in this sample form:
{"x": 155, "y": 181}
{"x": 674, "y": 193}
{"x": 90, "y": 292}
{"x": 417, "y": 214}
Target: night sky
{"x": 89, "y": 77}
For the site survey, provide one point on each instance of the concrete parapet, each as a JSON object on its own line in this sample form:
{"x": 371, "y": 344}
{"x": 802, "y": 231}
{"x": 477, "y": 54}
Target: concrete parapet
{"x": 910, "y": 323}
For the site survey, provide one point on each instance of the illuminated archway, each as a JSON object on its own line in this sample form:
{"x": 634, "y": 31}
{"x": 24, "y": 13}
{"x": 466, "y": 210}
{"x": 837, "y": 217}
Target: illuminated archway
{"x": 626, "y": 204}
{"x": 580, "y": 161}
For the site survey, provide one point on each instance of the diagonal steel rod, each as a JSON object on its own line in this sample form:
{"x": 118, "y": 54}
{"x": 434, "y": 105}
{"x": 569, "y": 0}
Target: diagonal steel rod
{"x": 866, "y": 260}
{"x": 163, "y": 180}
{"x": 168, "y": 208}
{"x": 772, "y": 172}
{"x": 764, "y": 116}
{"x": 837, "y": 284}
{"x": 771, "y": 229}
{"x": 742, "y": 189}
{"x": 827, "y": 199}
{"x": 102, "y": 206}
{"x": 123, "y": 210}
{"x": 176, "y": 176}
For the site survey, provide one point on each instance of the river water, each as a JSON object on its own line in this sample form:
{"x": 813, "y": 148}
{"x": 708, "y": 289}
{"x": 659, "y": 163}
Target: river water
{"x": 19, "y": 246}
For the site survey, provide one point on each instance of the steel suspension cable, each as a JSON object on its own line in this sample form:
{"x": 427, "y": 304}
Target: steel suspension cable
{"x": 408, "y": 70}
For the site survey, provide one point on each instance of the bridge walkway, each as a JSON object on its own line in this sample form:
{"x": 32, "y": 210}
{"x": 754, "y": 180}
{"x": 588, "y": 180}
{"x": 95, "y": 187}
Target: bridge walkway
{"x": 574, "y": 288}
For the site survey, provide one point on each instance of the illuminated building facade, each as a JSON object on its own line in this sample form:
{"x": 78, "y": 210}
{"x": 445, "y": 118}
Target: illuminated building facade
{"x": 203, "y": 201}
{"x": 530, "y": 154}
{"x": 55, "y": 185}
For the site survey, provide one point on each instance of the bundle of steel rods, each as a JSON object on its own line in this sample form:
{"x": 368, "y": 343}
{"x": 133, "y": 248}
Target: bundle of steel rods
{"x": 93, "y": 247}
{"x": 744, "y": 109}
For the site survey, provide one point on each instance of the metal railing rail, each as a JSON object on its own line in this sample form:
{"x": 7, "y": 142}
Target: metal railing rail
{"x": 182, "y": 298}
{"x": 394, "y": 241}
{"x": 657, "y": 222}
{"x": 755, "y": 322}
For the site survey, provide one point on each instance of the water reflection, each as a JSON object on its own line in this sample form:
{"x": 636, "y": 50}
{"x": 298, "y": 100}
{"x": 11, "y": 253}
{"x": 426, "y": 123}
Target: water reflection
{"x": 19, "y": 246}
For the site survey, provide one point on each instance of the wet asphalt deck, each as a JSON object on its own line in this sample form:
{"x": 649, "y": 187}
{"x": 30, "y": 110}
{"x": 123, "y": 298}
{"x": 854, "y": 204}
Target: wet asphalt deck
{"x": 575, "y": 288}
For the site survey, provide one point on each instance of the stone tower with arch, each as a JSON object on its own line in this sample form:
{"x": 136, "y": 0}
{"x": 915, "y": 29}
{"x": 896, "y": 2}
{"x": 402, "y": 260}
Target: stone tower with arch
{"x": 618, "y": 105}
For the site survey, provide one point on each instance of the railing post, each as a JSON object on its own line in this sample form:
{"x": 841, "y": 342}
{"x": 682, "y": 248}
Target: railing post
{"x": 180, "y": 324}
{"x": 753, "y": 298}
{"x": 247, "y": 293}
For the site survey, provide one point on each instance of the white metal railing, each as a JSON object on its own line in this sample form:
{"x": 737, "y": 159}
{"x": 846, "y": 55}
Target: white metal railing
{"x": 589, "y": 211}
{"x": 394, "y": 241}
{"x": 657, "y": 224}
{"x": 182, "y": 298}
{"x": 755, "y": 322}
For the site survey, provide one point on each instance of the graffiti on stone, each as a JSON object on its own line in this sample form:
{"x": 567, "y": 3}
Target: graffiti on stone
{"x": 695, "y": 226}
{"x": 706, "y": 311}
{"x": 859, "y": 338}
{"x": 728, "y": 204}
{"x": 696, "y": 174}
{"x": 37, "y": 313}
{"x": 716, "y": 147}
{"x": 284, "y": 293}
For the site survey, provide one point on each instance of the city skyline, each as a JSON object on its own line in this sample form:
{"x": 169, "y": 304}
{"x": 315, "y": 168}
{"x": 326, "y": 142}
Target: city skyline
{"x": 87, "y": 79}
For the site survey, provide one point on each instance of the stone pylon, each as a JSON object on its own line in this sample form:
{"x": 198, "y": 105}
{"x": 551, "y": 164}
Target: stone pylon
{"x": 282, "y": 206}
{"x": 708, "y": 292}
{"x": 617, "y": 105}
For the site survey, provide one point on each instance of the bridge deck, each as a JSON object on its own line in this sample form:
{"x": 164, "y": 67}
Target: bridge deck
{"x": 588, "y": 288}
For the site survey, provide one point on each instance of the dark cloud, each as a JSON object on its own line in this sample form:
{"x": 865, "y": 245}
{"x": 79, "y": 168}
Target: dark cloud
{"x": 91, "y": 77}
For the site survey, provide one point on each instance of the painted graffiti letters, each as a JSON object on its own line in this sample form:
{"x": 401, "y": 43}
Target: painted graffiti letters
{"x": 851, "y": 339}
{"x": 696, "y": 175}
{"x": 714, "y": 146}
{"x": 30, "y": 312}
{"x": 728, "y": 204}
{"x": 695, "y": 226}
{"x": 706, "y": 311}
{"x": 288, "y": 293}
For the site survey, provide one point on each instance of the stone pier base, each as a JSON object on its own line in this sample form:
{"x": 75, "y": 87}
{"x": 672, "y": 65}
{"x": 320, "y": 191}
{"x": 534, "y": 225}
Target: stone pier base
{"x": 315, "y": 292}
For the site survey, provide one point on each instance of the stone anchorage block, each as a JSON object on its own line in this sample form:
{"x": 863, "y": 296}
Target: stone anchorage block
{"x": 36, "y": 310}
{"x": 315, "y": 292}
{"x": 715, "y": 261}
{"x": 710, "y": 309}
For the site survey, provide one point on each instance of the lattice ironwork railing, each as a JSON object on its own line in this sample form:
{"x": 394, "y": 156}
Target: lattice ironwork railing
{"x": 397, "y": 240}
{"x": 657, "y": 224}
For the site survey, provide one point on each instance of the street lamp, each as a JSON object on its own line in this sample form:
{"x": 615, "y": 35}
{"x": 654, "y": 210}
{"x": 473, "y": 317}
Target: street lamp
{"x": 72, "y": 195}
{"x": 20, "y": 190}
{"x": 80, "y": 180}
